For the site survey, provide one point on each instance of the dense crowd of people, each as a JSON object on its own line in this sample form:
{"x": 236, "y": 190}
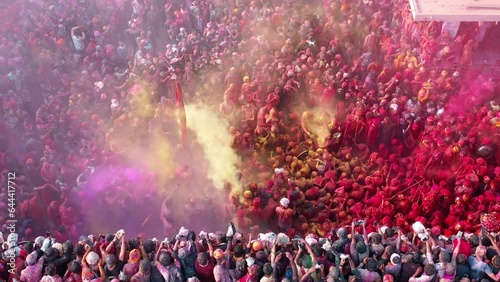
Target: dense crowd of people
{"x": 345, "y": 255}
{"x": 339, "y": 110}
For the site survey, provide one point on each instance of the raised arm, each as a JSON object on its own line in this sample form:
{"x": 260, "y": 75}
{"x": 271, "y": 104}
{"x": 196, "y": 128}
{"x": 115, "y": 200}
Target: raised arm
{"x": 352, "y": 248}
{"x": 293, "y": 267}
{"x": 307, "y": 274}
{"x": 398, "y": 240}
{"x": 379, "y": 230}
{"x": 493, "y": 242}
{"x": 84, "y": 258}
{"x": 101, "y": 270}
{"x": 273, "y": 250}
{"x": 275, "y": 263}
{"x": 104, "y": 253}
{"x": 296, "y": 262}
{"x": 428, "y": 253}
{"x": 143, "y": 251}
{"x": 456, "y": 251}
{"x": 122, "y": 249}
{"x": 365, "y": 236}
{"x": 228, "y": 253}
{"x": 310, "y": 251}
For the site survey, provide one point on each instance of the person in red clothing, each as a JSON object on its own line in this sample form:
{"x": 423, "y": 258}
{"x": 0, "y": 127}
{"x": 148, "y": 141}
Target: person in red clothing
{"x": 284, "y": 215}
{"x": 204, "y": 264}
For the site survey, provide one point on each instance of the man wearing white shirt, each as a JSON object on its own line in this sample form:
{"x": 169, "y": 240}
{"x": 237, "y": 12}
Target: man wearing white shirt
{"x": 78, "y": 37}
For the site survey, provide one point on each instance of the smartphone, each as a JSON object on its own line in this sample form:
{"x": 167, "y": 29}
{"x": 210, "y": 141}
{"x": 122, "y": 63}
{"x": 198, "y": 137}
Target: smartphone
{"x": 251, "y": 228}
{"x": 460, "y": 234}
{"x": 89, "y": 243}
{"x": 483, "y": 231}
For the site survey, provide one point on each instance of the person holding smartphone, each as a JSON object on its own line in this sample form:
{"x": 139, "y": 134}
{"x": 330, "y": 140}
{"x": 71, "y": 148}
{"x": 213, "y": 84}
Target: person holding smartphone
{"x": 113, "y": 265}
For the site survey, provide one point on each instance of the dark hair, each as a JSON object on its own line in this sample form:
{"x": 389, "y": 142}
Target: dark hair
{"x": 267, "y": 268}
{"x": 165, "y": 259}
{"x": 239, "y": 251}
{"x": 75, "y": 267}
{"x": 389, "y": 232}
{"x": 109, "y": 238}
{"x": 50, "y": 270}
{"x": 79, "y": 250}
{"x": 486, "y": 241}
{"x": 474, "y": 240}
{"x": 145, "y": 266}
{"x": 78, "y": 32}
{"x": 376, "y": 238}
{"x": 133, "y": 243}
{"x": 317, "y": 250}
{"x": 430, "y": 269}
{"x": 28, "y": 247}
{"x": 67, "y": 247}
{"x": 149, "y": 246}
{"x": 330, "y": 256}
{"x": 417, "y": 258}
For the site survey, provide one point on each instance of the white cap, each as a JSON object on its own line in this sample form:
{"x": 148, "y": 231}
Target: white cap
{"x": 250, "y": 261}
{"x": 310, "y": 239}
{"x": 383, "y": 229}
{"x": 284, "y": 202}
{"x": 183, "y": 231}
{"x": 393, "y": 257}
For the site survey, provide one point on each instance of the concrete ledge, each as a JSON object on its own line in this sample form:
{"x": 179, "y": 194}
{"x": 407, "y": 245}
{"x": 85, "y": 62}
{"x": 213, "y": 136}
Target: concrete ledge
{"x": 455, "y": 10}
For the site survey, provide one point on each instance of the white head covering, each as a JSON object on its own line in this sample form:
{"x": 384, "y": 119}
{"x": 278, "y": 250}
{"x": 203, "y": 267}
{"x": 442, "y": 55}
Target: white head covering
{"x": 250, "y": 261}
{"x": 183, "y": 231}
{"x": 383, "y": 229}
{"x": 92, "y": 258}
{"x": 114, "y": 103}
{"x": 311, "y": 239}
{"x": 284, "y": 202}
{"x": 394, "y": 256}
{"x": 39, "y": 240}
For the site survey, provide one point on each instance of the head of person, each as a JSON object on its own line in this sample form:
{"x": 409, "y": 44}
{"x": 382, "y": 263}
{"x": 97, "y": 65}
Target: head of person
{"x": 202, "y": 258}
{"x": 461, "y": 258}
{"x": 342, "y": 233}
{"x": 481, "y": 252}
{"x": 50, "y": 270}
{"x": 67, "y": 247}
{"x": 253, "y": 270}
{"x": 31, "y": 259}
{"x": 371, "y": 264}
{"x": 388, "y": 278}
{"x": 474, "y": 241}
{"x": 241, "y": 264}
{"x": 29, "y": 247}
{"x": 267, "y": 268}
{"x": 449, "y": 269}
{"x": 79, "y": 250}
{"x": 430, "y": 269}
{"x": 376, "y": 238}
{"x": 110, "y": 260}
{"x": 165, "y": 259}
{"x": 75, "y": 267}
{"x": 145, "y": 266}
{"x": 495, "y": 261}
{"x": 219, "y": 255}
{"x": 389, "y": 232}
{"x": 361, "y": 247}
{"x": 444, "y": 256}
{"x": 333, "y": 275}
{"x": 239, "y": 251}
